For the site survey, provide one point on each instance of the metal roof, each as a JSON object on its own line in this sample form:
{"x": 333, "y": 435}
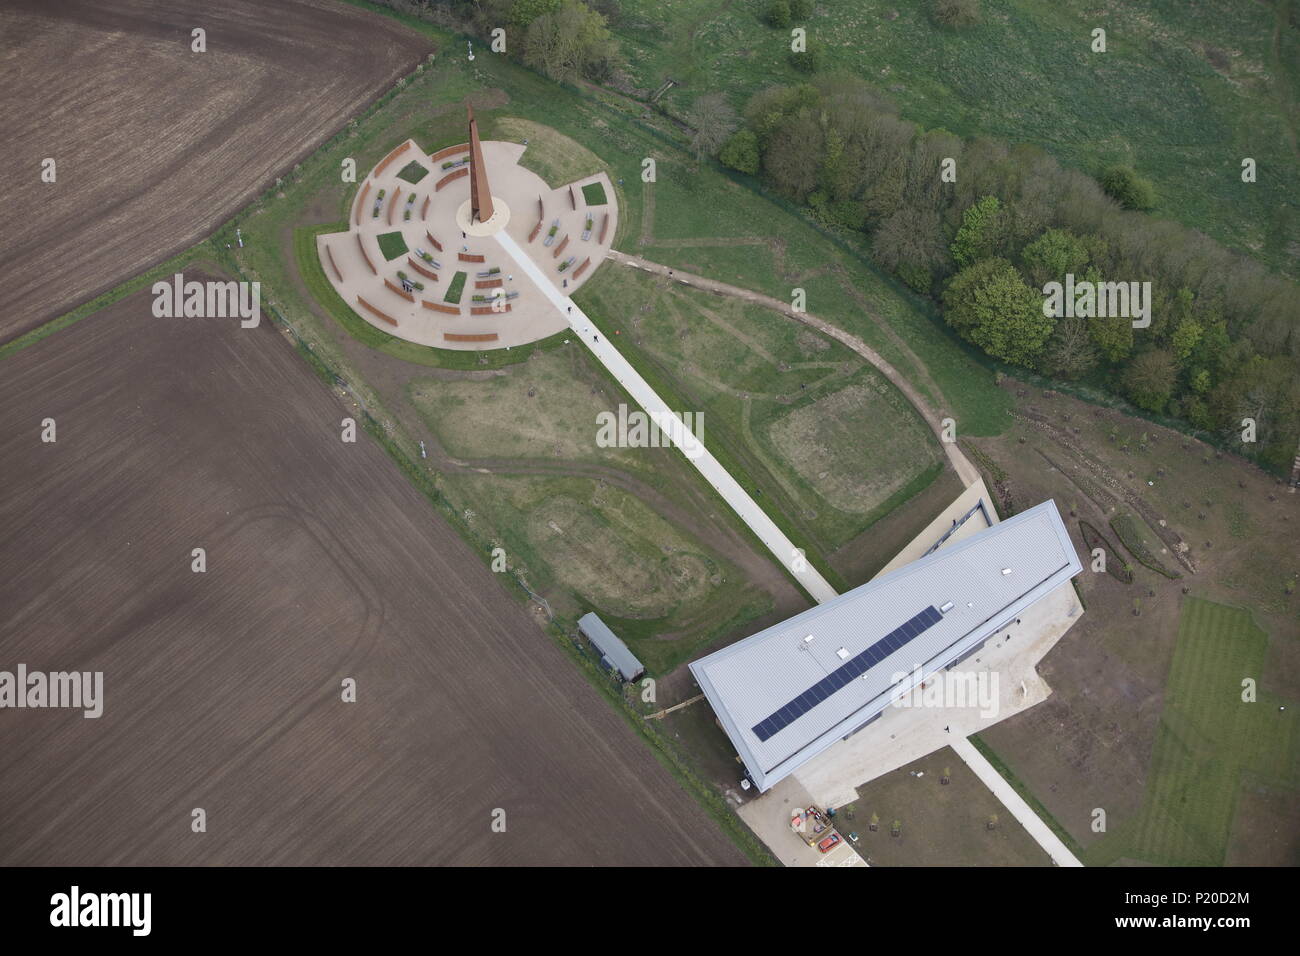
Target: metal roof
{"x": 614, "y": 651}
{"x": 753, "y": 679}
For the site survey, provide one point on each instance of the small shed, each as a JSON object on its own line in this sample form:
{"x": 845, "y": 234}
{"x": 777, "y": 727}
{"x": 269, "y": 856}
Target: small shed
{"x": 614, "y": 653}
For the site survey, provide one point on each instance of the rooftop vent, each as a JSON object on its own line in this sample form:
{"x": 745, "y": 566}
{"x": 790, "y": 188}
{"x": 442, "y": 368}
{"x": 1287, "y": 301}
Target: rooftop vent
{"x": 1006, "y": 570}
{"x": 842, "y": 653}
{"x": 946, "y": 608}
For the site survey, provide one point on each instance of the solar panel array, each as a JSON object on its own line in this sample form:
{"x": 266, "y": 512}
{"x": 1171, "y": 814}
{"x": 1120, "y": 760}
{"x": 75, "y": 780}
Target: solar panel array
{"x": 850, "y": 670}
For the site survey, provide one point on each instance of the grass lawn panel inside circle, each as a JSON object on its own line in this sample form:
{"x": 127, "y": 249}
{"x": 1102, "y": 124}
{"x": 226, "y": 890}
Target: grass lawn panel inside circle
{"x": 392, "y": 245}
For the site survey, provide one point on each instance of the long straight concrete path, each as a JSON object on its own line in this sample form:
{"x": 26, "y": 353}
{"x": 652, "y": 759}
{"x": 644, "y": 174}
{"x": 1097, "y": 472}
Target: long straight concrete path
{"x": 761, "y": 524}
{"x": 782, "y": 548}
{"x": 1030, "y": 820}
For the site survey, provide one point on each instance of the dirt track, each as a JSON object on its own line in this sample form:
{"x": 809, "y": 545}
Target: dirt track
{"x": 156, "y": 145}
{"x": 222, "y": 688}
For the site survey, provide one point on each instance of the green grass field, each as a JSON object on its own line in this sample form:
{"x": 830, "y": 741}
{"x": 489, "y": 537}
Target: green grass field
{"x": 696, "y": 215}
{"x": 413, "y": 172}
{"x": 589, "y": 544}
{"x": 571, "y": 135}
{"x": 392, "y": 245}
{"x": 544, "y": 409}
{"x": 824, "y": 441}
{"x": 1208, "y": 744}
{"x": 455, "y": 288}
{"x": 1183, "y": 93}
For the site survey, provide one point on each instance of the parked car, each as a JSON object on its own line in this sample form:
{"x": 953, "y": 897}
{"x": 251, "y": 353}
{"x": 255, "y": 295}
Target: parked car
{"x": 829, "y": 843}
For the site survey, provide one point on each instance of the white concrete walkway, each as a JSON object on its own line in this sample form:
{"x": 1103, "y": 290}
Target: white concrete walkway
{"x": 708, "y": 466}
{"x": 1030, "y": 820}
{"x": 760, "y": 523}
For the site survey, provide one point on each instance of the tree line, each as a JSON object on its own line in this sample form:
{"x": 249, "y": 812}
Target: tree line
{"x": 563, "y": 39}
{"x": 982, "y": 241}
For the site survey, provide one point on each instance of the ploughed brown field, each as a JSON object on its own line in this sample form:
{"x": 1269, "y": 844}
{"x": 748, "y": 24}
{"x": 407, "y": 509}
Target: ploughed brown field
{"x": 156, "y": 145}
{"x": 222, "y": 690}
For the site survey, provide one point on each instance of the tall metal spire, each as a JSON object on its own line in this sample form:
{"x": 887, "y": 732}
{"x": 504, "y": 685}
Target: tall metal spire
{"x": 480, "y": 196}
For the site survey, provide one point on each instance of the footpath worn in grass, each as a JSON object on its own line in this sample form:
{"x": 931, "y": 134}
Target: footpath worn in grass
{"x": 828, "y": 444}
{"x": 1209, "y": 741}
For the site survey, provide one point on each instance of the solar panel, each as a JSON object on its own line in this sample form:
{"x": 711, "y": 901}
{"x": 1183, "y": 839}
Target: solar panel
{"x": 847, "y": 672}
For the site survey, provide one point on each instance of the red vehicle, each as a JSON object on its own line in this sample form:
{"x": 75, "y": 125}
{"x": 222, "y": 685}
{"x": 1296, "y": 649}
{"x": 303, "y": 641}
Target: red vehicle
{"x": 829, "y": 843}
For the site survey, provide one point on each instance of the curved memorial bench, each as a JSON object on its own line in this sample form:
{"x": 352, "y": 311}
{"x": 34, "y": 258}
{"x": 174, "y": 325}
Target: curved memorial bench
{"x": 376, "y": 313}
{"x": 392, "y": 156}
{"x": 448, "y": 151}
{"x": 466, "y": 257}
{"x": 392, "y": 203}
{"x": 362, "y": 246}
{"x": 361, "y": 200}
{"x": 453, "y": 175}
{"x": 398, "y": 289}
{"x": 439, "y": 307}
{"x": 410, "y": 260}
{"x": 333, "y": 265}
{"x": 470, "y": 336}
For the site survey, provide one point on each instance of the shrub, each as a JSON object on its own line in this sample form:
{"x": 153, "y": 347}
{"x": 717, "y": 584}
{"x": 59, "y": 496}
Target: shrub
{"x": 777, "y": 14}
{"x": 811, "y": 60}
{"x": 1116, "y": 567}
{"x": 916, "y": 276}
{"x": 741, "y": 152}
{"x": 1128, "y": 529}
{"x": 1149, "y": 379}
{"x": 982, "y": 232}
{"x": 1126, "y": 187}
{"x": 956, "y": 14}
{"x": 989, "y": 304}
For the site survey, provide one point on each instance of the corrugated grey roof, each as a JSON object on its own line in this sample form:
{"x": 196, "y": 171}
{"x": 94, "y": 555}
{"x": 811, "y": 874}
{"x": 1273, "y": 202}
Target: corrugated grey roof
{"x": 609, "y": 645}
{"x": 752, "y": 678}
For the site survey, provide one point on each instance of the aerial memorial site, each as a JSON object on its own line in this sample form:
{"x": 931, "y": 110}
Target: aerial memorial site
{"x": 612, "y": 433}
